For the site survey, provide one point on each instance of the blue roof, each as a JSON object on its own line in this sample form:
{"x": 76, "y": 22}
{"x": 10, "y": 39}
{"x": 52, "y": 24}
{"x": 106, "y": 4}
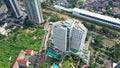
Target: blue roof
{"x": 54, "y": 66}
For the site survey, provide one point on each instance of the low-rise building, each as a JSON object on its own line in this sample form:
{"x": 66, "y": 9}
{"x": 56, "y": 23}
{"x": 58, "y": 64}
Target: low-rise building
{"x": 116, "y": 65}
{"x": 3, "y": 31}
{"x": 25, "y": 59}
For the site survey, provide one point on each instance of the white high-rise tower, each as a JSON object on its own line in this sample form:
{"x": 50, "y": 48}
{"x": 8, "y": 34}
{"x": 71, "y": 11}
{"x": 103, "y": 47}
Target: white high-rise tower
{"x": 60, "y": 36}
{"x": 34, "y": 10}
{"x": 69, "y": 36}
{"x": 13, "y": 8}
{"x": 78, "y": 35}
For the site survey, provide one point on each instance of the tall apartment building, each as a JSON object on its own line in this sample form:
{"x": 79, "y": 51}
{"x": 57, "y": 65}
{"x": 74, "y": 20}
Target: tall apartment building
{"x": 78, "y": 36}
{"x": 34, "y": 11}
{"x": 69, "y": 35}
{"x": 60, "y": 37}
{"x": 13, "y": 8}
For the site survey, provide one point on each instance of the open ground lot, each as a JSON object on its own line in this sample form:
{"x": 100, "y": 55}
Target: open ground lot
{"x": 108, "y": 43}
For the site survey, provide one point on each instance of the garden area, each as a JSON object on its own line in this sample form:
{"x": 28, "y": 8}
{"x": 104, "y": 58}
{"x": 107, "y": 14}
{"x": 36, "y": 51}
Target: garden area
{"x": 10, "y": 46}
{"x": 101, "y": 30}
{"x": 28, "y": 37}
{"x": 103, "y": 49}
{"x": 67, "y": 62}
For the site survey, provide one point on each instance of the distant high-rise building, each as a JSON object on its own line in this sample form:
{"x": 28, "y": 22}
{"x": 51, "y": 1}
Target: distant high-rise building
{"x": 34, "y": 11}
{"x": 13, "y": 8}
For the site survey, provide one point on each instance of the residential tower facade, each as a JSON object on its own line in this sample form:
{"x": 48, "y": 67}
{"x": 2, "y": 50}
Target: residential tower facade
{"x": 13, "y": 8}
{"x": 60, "y": 37}
{"x": 78, "y": 35}
{"x": 34, "y": 11}
{"x": 69, "y": 35}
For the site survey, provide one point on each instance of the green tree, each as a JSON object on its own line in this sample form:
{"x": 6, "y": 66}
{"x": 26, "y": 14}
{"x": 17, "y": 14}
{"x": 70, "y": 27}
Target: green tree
{"x": 93, "y": 65}
{"x": 54, "y": 18}
{"x": 92, "y": 27}
{"x": 98, "y": 41}
{"x": 27, "y": 24}
{"x": 116, "y": 53}
{"x": 44, "y": 65}
{"x": 105, "y": 30}
{"x": 81, "y": 5}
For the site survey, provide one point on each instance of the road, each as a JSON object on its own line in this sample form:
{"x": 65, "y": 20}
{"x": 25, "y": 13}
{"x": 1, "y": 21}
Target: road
{"x": 44, "y": 42}
{"x": 78, "y": 63}
{"x": 47, "y": 29}
{"x": 46, "y": 36}
{"x": 88, "y": 42}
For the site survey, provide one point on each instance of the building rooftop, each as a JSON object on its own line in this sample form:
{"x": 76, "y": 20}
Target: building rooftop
{"x": 79, "y": 26}
{"x": 108, "y": 18}
{"x": 55, "y": 53}
{"x": 29, "y": 52}
{"x": 60, "y": 7}
{"x": 22, "y": 62}
{"x": 23, "y": 58}
{"x": 51, "y": 53}
{"x": 116, "y": 65}
{"x": 69, "y": 23}
{"x": 3, "y": 31}
{"x": 84, "y": 55}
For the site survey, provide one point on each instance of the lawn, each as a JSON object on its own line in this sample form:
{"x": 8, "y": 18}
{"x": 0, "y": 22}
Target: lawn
{"x": 69, "y": 62}
{"x": 108, "y": 43}
{"x": 17, "y": 40}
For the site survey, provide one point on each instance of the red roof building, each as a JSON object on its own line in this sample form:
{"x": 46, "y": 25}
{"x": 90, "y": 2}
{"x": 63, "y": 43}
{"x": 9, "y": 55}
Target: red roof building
{"x": 22, "y": 60}
{"x": 29, "y": 52}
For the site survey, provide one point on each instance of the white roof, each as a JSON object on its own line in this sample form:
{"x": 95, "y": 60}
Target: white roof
{"x": 114, "y": 65}
{"x": 62, "y": 8}
{"x": 79, "y": 25}
{"x": 97, "y": 15}
{"x": 3, "y": 31}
